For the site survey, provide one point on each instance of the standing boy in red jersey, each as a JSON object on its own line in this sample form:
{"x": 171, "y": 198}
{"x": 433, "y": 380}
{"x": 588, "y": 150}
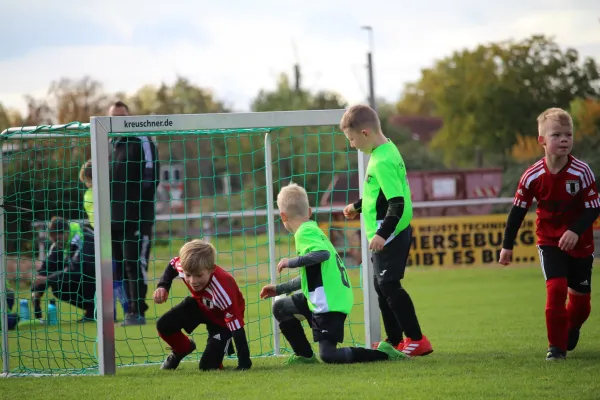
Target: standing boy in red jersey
{"x": 568, "y": 205}
{"x": 215, "y": 301}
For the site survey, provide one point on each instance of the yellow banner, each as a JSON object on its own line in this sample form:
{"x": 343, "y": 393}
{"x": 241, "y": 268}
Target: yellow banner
{"x": 457, "y": 241}
{"x": 470, "y": 240}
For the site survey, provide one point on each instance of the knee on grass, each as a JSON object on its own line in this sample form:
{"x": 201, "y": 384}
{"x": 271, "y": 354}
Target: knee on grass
{"x": 330, "y": 354}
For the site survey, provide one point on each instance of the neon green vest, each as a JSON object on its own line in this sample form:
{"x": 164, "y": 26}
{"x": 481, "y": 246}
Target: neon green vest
{"x": 326, "y": 286}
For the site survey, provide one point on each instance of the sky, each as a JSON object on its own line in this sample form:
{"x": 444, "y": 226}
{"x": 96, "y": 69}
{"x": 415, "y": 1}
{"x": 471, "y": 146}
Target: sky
{"x": 236, "y": 48}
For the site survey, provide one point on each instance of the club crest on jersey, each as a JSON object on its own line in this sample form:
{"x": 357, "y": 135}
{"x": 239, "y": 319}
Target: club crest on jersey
{"x": 208, "y": 303}
{"x": 573, "y": 187}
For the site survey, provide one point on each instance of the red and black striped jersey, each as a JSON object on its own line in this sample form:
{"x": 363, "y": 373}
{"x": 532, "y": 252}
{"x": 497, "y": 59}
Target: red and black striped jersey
{"x": 221, "y": 300}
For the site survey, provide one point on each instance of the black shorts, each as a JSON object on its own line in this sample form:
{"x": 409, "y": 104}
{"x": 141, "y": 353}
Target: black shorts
{"x": 559, "y": 264}
{"x": 325, "y": 326}
{"x": 390, "y": 262}
{"x": 188, "y": 316}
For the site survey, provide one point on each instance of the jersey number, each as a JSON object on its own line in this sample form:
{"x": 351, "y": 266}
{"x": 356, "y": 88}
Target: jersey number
{"x": 343, "y": 271}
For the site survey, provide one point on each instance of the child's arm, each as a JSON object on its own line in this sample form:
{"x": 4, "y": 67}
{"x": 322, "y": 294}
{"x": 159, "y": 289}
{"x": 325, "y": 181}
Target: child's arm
{"x": 312, "y": 258}
{"x": 394, "y": 192}
{"x": 392, "y": 217}
{"x": 521, "y": 203}
{"x": 289, "y": 287}
{"x": 243, "y": 351}
{"x": 166, "y": 280}
{"x": 591, "y": 211}
{"x": 233, "y": 308}
{"x": 513, "y": 224}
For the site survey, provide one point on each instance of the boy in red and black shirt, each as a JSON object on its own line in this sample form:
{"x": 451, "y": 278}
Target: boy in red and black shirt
{"x": 568, "y": 205}
{"x": 215, "y": 301}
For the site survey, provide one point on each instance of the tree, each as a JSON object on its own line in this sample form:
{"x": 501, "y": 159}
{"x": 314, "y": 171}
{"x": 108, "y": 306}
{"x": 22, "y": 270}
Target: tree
{"x": 77, "y": 100}
{"x": 38, "y": 112}
{"x": 490, "y": 95}
{"x": 586, "y": 117}
{"x": 308, "y": 155}
{"x": 288, "y": 98}
{"x": 526, "y": 149}
{"x": 5, "y": 121}
{"x": 197, "y": 150}
{"x": 586, "y": 121}
{"x": 417, "y": 97}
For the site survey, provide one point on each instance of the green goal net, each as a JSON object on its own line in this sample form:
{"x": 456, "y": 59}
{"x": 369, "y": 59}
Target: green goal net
{"x": 212, "y": 183}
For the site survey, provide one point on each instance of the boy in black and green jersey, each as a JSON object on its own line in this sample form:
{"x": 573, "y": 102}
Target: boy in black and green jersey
{"x": 326, "y": 298}
{"x": 69, "y": 268}
{"x": 387, "y": 211}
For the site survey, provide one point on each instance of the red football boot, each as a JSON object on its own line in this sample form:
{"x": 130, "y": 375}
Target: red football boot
{"x": 415, "y": 348}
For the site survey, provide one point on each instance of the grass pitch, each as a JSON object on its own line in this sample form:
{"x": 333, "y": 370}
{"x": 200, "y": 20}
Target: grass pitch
{"x": 486, "y": 325}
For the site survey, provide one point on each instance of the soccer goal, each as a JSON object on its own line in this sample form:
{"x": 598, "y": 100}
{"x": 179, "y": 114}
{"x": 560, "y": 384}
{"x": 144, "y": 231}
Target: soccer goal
{"x": 219, "y": 178}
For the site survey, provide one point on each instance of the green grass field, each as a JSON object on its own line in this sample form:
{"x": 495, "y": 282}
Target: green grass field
{"x": 486, "y": 325}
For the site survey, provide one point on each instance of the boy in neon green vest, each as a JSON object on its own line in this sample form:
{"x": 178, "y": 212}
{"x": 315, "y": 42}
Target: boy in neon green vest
{"x": 85, "y": 176}
{"x": 326, "y": 298}
{"x": 386, "y": 206}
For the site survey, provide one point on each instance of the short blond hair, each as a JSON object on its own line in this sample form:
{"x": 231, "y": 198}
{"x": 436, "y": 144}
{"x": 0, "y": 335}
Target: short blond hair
{"x": 85, "y": 173}
{"x": 293, "y": 200}
{"x": 555, "y": 114}
{"x": 196, "y": 256}
{"x": 360, "y": 117}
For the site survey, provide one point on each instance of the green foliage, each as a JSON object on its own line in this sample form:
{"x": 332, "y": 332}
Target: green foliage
{"x": 309, "y": 157}
{"x": 488, "y": 95}
{"x": 41, "y": 181}
{"x": 288, "y": 98}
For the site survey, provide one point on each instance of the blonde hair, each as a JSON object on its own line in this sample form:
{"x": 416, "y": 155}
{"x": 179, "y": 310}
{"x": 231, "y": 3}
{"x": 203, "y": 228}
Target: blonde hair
{"x": 293, "y": 200}
{"x": 85, "y": 173}
{"x": 555, "y": 114}
{"x": 196, "y": 256}
{"x": 360, "y": 117}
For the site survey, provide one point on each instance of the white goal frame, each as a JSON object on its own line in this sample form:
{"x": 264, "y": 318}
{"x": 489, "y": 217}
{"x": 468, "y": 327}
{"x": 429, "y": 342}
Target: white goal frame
{"x": 101, "y": 127}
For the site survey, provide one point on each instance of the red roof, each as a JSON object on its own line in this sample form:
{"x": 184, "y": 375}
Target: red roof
{"x": 422, "y": 128}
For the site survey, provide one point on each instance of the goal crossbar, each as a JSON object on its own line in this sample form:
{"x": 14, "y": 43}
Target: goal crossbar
{"x": 186, "y": 122}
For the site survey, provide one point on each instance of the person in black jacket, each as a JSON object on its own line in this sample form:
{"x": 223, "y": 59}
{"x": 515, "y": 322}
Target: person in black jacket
{"x": 70, "y": 270}
{"x": 134, "y": 179}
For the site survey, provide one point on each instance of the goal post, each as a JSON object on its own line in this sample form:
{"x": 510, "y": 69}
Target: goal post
{"x": 232, "y": 166}
{"x": 99, "y": 129}
{"x": 268, "y": 121}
